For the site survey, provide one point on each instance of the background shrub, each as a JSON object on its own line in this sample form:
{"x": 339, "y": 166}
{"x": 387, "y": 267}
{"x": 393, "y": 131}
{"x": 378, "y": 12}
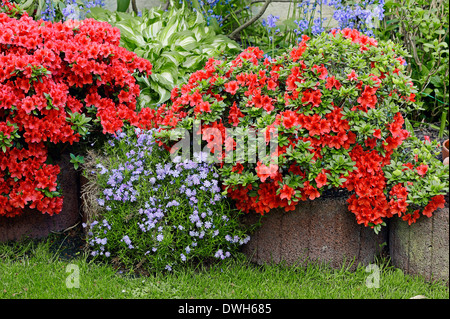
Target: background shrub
{"x": 422, "y": 27}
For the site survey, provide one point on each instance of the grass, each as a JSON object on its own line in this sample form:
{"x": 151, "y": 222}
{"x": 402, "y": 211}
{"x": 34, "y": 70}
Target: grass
{"x": 38, "y": 270}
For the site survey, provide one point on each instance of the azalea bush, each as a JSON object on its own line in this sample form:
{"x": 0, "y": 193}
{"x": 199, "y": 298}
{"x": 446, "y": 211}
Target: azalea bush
{"x": 59, "y": 82}
{"x": 334, "y": 105}
{"x": 155, "y": 214}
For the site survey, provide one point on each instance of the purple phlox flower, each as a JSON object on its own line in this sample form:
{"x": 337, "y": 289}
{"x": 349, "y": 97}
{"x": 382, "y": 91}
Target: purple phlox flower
{"x": 101, "y": 201}
{"x": 194, "y": 218}
{"x": 190, "y": 192}
{"x": 103, "y": 169}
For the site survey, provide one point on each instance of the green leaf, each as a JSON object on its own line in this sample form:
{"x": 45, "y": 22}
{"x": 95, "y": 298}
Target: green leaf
{"x": 154, "y": 29}
{"x": 127, "y": 32}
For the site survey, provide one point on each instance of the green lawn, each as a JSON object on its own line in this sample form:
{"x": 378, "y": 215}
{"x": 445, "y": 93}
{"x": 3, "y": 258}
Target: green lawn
{"x": 36, "y": 270}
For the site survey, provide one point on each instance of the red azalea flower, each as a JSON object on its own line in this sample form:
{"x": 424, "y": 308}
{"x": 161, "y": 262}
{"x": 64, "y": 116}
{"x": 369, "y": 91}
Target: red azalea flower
{"x": 332, "y": 82}
{"x": 265, "y": 172}
{"x": 238, "y": 168}
{"x": 321, "y": 180}
{"x": 231, "y": 87}
{"x": 407, "y": 166}
{"x": 312, "y": 96}
{"x": 267, "y": 103}
{"x": 289, "y": 119}
{"x": 368, "y": 98}
{"x": 435, "y": 203}
{"x": 310, "y": 191}
{"x": 234, "y": 115}
{"x": 422, "y": 169}
{"x": 377, "y": 133}
{"x": 272, "y": 85}
{"x": 411, "y": 218}
{"x": 321, "y": 71}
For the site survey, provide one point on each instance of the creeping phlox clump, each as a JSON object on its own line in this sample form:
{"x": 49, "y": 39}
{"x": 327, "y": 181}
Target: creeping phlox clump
{"x": 159, "y": 215}
{"x": 56, "y": 80}
{"x": 334, "y": 106}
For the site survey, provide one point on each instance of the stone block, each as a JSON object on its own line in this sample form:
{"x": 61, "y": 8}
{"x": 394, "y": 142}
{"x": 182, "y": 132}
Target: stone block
{"x": 423, "y": 247}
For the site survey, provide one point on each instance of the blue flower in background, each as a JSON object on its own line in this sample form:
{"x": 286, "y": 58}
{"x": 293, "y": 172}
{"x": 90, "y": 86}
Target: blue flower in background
{"x": 270, "y": 25}
{"x": 48, "y": 13}
{"x": 317, "y": 27}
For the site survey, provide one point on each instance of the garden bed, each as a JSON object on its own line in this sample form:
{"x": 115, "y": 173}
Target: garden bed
{"x": 331, "y": 110}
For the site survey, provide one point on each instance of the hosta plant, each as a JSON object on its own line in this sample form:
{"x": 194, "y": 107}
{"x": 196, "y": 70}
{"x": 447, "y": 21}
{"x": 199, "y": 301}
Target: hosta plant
{"x": 177, "y": 41}
{"x": 334, "y": 106}
{"x": 58, "y": 83}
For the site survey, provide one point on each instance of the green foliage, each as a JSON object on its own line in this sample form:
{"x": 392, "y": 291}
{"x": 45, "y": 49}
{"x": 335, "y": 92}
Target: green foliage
{"x": 421, "y": 188}
{"x": 76, "y": 160}
{"x": 422, "y": 27}
{"x": 177, "y": 42}
{"x": 122, "y": 5}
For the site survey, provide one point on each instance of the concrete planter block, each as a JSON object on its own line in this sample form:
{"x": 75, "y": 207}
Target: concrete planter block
{"x": 322, "y": 230}
{"x": 34, "y": 224}
{"x": 422, "y": 248}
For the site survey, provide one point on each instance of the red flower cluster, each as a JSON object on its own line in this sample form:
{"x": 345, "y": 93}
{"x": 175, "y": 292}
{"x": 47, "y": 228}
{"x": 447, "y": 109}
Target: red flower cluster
{"x": 50, "y": 72}
{"x": 322, "y": 114}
